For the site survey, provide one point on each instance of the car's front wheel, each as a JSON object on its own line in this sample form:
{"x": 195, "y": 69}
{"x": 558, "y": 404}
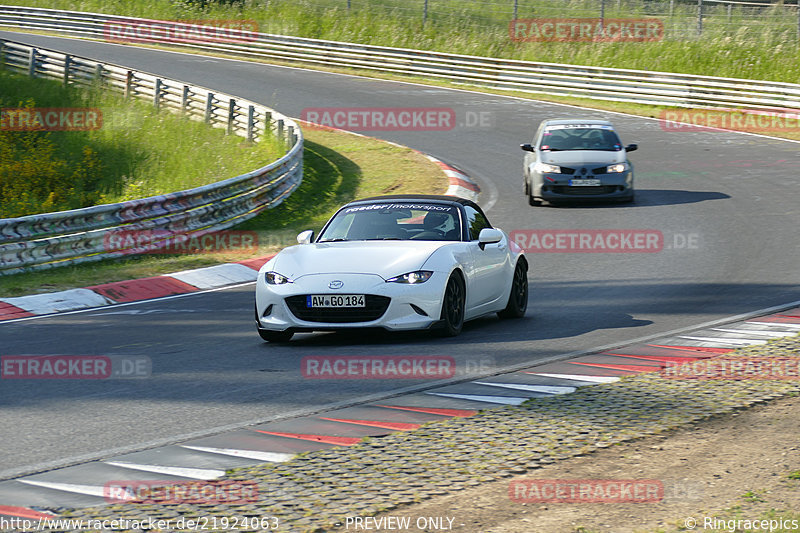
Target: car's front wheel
{"x": 275, "y": 336}
{"x": 453, "y": 306}
{"x": 533, "y": 201}
{"x": 518, "y": 298}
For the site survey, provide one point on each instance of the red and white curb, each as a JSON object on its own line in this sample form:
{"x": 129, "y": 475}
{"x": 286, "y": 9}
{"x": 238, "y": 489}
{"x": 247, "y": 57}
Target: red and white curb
{"x": 135, "y": 290}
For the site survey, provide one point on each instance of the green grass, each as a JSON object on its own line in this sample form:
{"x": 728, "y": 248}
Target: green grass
{"x": 337, "y": 167}
{"x": 138, "y": 151}
{"x": 756, "y": 43}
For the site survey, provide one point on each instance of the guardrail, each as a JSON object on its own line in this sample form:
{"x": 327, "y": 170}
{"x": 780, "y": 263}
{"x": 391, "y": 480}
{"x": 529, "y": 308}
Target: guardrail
{"x": 81, "y": 235}
{"x": 625, "y": 85}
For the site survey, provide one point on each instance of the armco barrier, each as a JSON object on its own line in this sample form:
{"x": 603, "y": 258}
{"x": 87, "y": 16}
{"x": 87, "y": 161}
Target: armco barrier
{"x": 625, "y": 85}
{"x": 53, "y": 239}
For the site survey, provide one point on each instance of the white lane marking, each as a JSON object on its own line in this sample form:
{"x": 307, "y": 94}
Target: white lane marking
{"x": 269, "y": 457}
{"x": 89, "y": 490}
{"x": 776, "y": 324}
{"x": 102, "y": 309}
{"x": 545, "y": 389}
{"x": 179, "y": 471}
{"x": 720, "y": 340}
{"x": 53, "y": 302}
{"x": 775, "y": 334}
{"x": 505, "y": 400}
{"x": 578, "y": 377}
{"x": 216, "y": 276}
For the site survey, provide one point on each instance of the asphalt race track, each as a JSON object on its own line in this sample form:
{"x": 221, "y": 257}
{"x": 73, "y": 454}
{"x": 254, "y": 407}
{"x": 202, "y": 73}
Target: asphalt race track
{"x": 726, "y": 204}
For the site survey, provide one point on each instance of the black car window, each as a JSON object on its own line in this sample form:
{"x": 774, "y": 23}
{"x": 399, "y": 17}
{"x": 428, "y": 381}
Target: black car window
{"x": 475, "y": 222}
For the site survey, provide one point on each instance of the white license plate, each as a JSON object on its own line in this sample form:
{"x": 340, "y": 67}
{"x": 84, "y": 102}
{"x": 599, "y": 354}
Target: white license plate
{"x": 335, "y": 300}
{"x": 584, "y": 183}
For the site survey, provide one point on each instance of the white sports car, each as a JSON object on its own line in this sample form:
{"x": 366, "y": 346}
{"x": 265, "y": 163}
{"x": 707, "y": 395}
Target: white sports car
{"x": 395, "y": 262}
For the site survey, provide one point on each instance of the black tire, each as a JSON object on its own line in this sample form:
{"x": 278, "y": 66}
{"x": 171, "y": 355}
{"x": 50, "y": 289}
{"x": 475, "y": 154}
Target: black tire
{"x": 275, "y": 336}
{"x": 518, "y": 297}
{"x": 533, "y": 201}
{"x": 453, "y": 307}
{"x": 526, "y": 187}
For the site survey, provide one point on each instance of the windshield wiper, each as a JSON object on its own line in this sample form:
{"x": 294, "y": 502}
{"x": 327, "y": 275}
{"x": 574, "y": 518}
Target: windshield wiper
{"x": 331, "y": 240}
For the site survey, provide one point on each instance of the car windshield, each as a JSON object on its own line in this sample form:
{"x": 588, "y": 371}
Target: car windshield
{"x": 580, "y": 137}
{"x": 394, "y": 221}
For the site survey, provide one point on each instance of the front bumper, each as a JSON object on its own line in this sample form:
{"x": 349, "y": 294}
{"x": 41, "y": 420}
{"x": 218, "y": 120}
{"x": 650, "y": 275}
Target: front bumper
{"x": 409, "y": 307}
{"x": 556, "y": 187}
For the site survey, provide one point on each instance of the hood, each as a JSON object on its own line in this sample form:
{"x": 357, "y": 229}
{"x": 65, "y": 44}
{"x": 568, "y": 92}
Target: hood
{"x": 384, "y": 258}
{"x": 577, "y": 158}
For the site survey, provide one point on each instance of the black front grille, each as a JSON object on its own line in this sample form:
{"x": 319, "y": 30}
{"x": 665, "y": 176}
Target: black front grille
{"x": 374, "y": 309}
{"x": 600, "y": 170}
{"x": 567, "y": 170}
{"x": 580, "y": 191}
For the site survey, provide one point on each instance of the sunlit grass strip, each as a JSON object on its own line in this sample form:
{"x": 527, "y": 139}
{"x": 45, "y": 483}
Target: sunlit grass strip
{"x": 747, "y": 42}
{"x": 140, "y": 152}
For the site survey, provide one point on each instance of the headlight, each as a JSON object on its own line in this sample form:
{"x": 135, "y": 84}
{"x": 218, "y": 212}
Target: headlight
{"x": 273, "y": 278}
{"x": 420, "y": 276}
{"x": 619, "y": 167}
{"x": 544, "y": 168}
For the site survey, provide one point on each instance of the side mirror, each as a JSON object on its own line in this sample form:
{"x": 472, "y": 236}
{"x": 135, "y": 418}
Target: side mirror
{"x": 527, "y": 147}
{"x": 631, "y": 147}
{"x": 305, "y": 237}
{"x": 489, "y": 236}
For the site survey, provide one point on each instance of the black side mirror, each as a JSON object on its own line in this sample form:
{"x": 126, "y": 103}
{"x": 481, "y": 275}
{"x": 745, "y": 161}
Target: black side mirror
{"x": 527, "y": 147}
{"x": 631, "y": 147}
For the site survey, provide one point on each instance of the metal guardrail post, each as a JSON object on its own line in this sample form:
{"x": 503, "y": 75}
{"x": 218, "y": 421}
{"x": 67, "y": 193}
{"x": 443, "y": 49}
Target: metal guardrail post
{"x": 209, "y": 107}
{"x": 128, "y": 83}
{"x": 267, "y": 123}
{"x": 157, "y": 94}
{"x": 250, "y": 113}
{"x": 231, "y": 114}
{"x": 280, "y": 129}
{"x": 98, "y": 73}
{"x": 67, "y": 61}
{"x": 699, "y": 17}
{"x": 185, "y": 99}
{"x": 32, "y": 63}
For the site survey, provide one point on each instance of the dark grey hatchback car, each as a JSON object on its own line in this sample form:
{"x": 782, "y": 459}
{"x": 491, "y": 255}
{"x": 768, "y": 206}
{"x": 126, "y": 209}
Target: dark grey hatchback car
{"x": 577, "y": 159}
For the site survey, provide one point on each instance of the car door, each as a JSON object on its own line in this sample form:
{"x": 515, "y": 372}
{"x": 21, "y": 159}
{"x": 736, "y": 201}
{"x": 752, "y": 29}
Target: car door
{"x": 487, "y": 280}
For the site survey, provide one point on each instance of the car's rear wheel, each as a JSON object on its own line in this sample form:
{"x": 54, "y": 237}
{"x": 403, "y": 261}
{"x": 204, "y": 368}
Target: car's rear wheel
{"x": 453, "y": 306}
{"x": 518, "y": 298}
{"x": 275, "y": 336}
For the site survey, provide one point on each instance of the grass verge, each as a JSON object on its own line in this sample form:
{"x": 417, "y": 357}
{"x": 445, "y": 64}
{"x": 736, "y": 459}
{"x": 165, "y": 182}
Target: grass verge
{"x": 136, "y": 151}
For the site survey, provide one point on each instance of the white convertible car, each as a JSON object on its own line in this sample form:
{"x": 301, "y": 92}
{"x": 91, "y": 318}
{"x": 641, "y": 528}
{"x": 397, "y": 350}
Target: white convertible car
{"x": 395, "y": 262}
